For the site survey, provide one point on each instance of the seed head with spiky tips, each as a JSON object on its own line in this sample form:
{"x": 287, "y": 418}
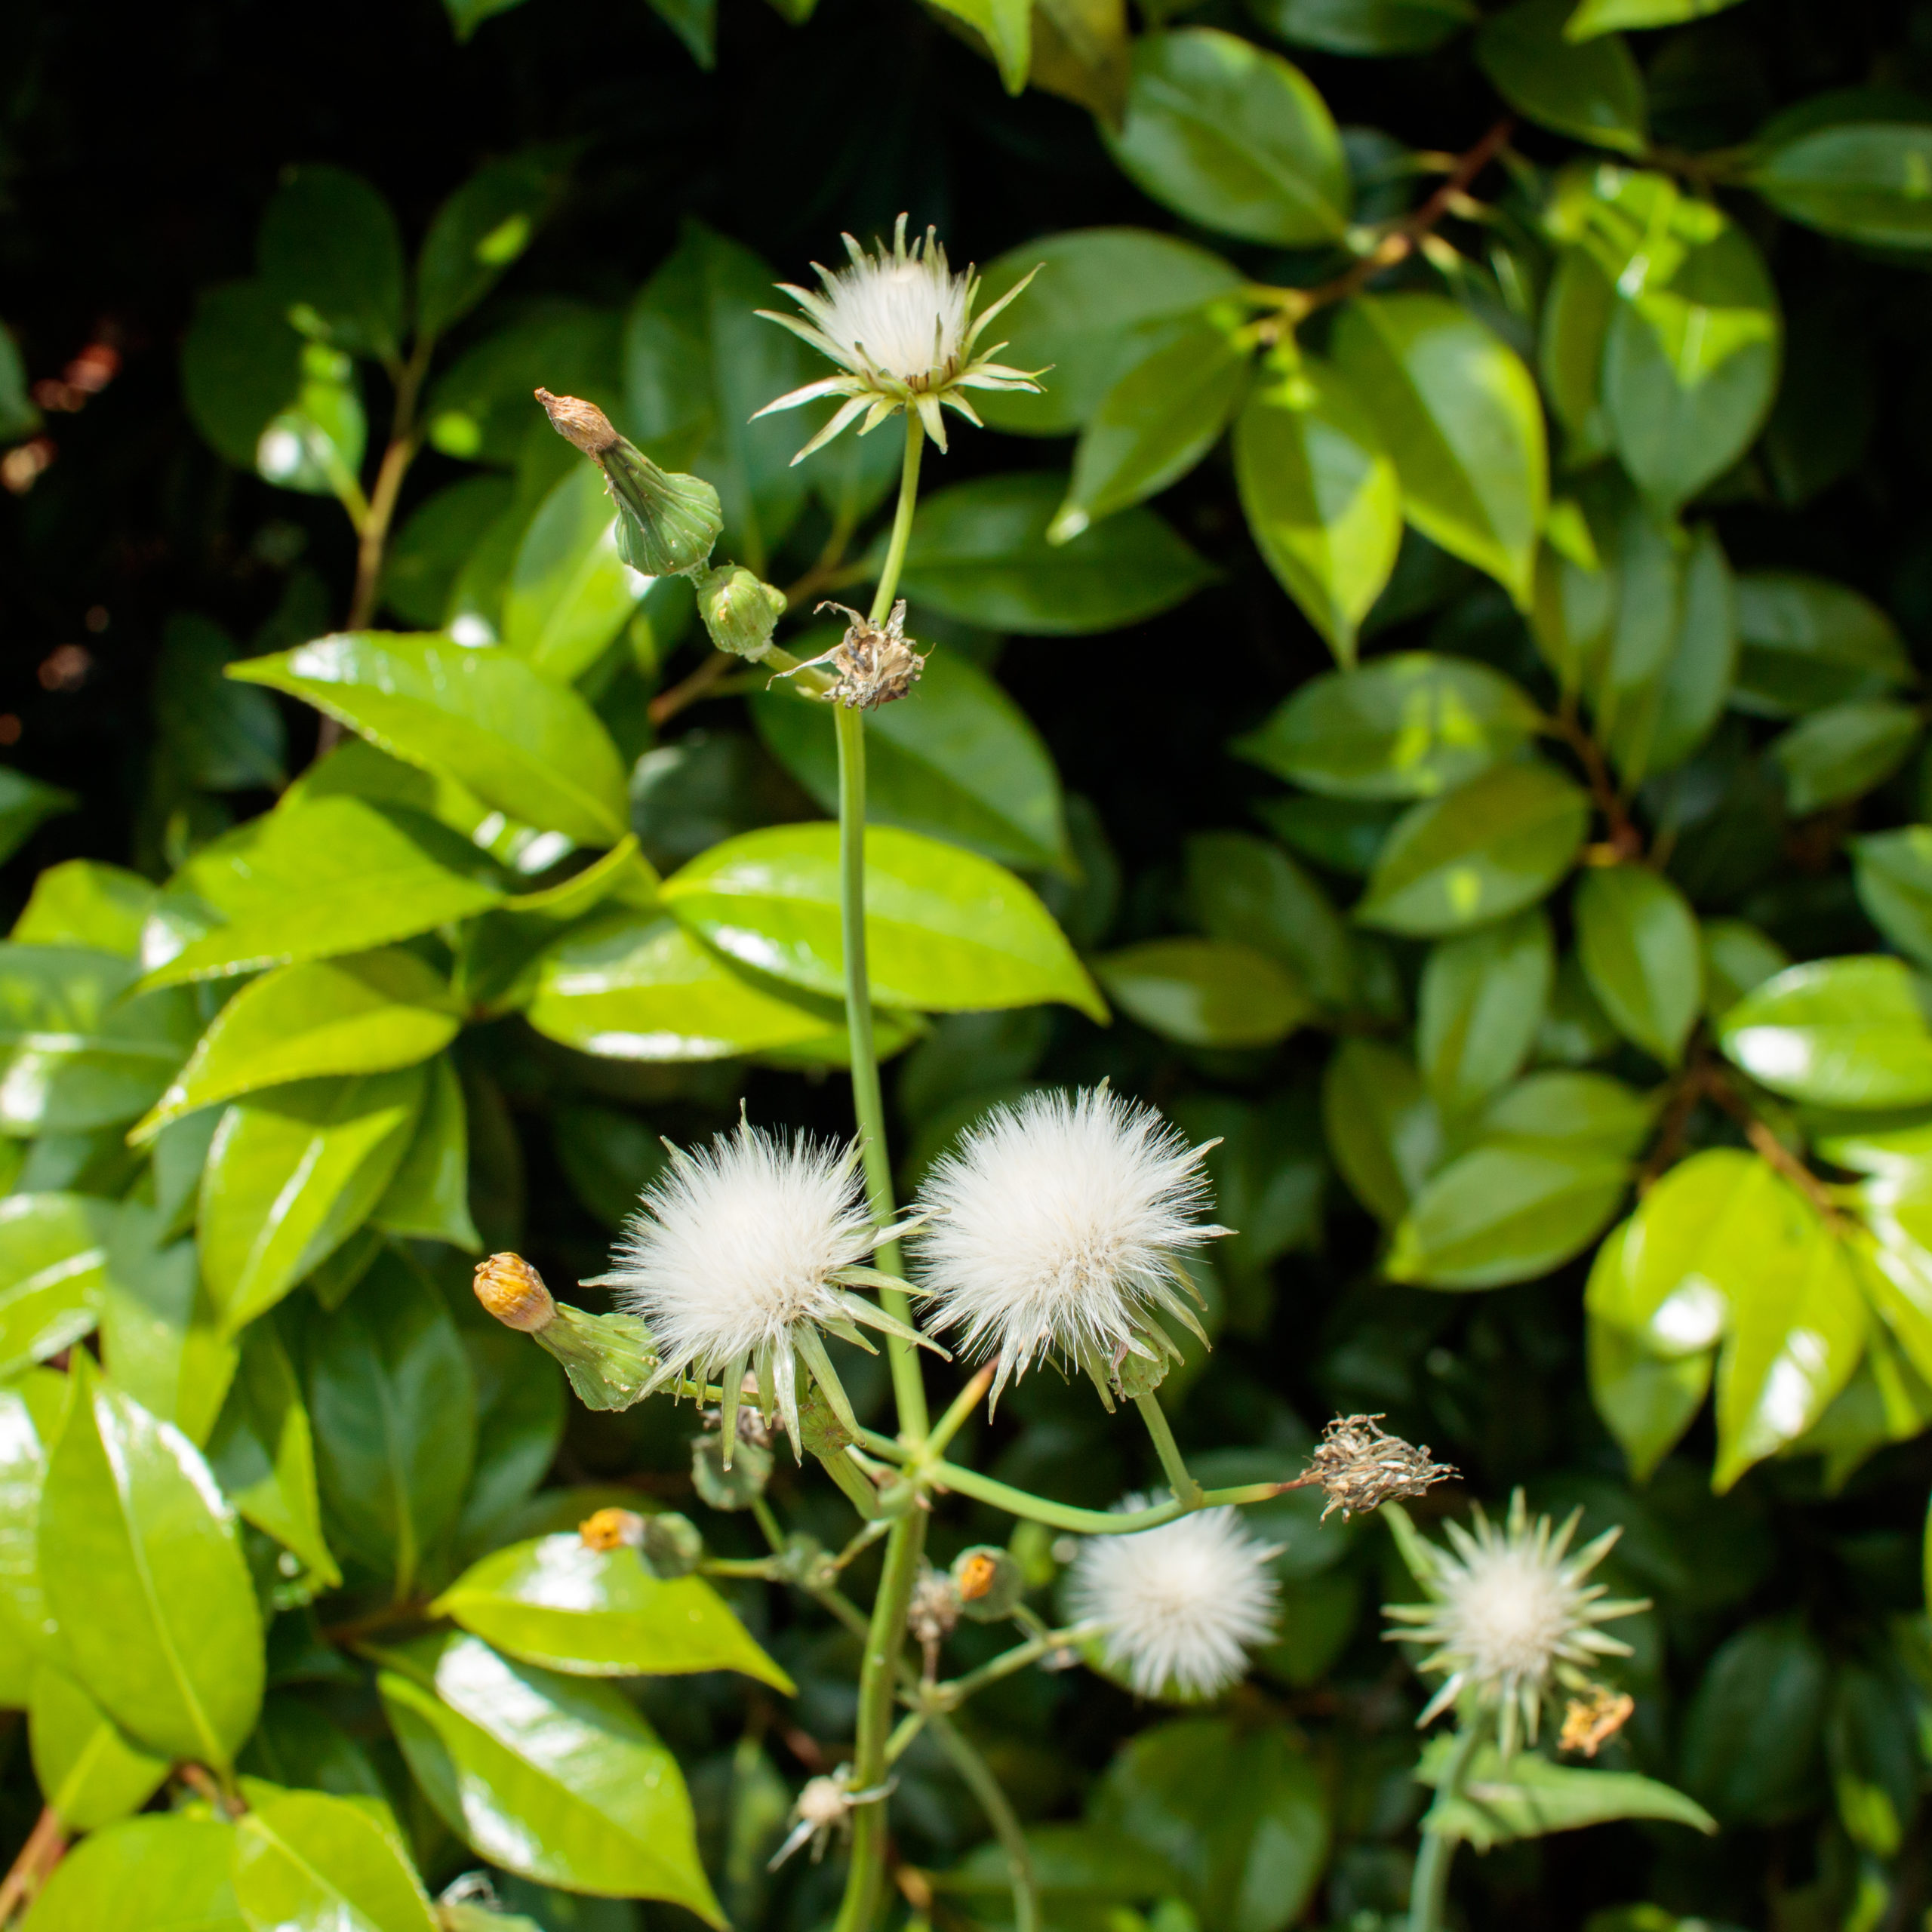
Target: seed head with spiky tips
{"x": 1509, "y": 1614}
{"x": 900, "y": 326}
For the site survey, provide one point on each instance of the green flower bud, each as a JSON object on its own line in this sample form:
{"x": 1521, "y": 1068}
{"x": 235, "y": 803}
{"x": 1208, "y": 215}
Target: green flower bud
{"x": 738, "y": 611}
{"x": 820, "y": 1432}
{"x": 990, "y": 1583}
{"x": 673, "y": 1546}
{"x": 737, "y": 1487}
{"x": 609, "y": 1358}
{"x": 666, "y": 523}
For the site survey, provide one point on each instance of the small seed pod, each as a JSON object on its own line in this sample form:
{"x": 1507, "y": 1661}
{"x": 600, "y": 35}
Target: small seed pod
{"x": 737, "y": 1487}
{"x": 739, "y": 610}
{"x": 934, "y": 1611}
{"x": 514, "y": 1292}
{"x": 990, "y": 1581}
{"x": 673, "y": 1546}
{"x": 612, "y": 1529}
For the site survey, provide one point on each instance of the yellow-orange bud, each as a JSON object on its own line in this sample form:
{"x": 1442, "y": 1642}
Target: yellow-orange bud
{"x": 611, "y": 1529}
{"x": 514, "y": 1292}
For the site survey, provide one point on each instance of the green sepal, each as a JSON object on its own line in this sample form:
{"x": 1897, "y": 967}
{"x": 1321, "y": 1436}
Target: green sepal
{"x": 665, "y": 524}
{"x": 608, "y": 1358}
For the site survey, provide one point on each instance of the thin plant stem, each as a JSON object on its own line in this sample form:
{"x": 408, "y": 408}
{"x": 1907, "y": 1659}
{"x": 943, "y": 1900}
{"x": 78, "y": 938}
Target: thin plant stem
{"x": 979, "y": 1779}
{"x": 963, "y": 1404}
{"x": 768, "y": 1523}
{"x": 943, "y": 1475}
{"x": 37, "y": 1857}
{"x": 1429, "y": 1891}
{"x": 1187, "y": 1492}
{"x": 952, "y": 1695}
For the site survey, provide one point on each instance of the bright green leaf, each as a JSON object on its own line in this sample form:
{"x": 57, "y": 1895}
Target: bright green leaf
{"x": 168, "y": 1872}
{"x": 1204, "y": 993}
{"x": 1636, "y": 937}
{"x": 88, "y": 1770}
{"x": 1480, "y": 1006}
{"x": 1592, "y": 92}
{"x": 304, "y": 1858}
{"x": 1836, "y": 1032}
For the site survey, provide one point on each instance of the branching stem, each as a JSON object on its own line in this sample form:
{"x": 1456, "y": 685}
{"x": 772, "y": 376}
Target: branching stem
{"x": 1429, "y": 1891}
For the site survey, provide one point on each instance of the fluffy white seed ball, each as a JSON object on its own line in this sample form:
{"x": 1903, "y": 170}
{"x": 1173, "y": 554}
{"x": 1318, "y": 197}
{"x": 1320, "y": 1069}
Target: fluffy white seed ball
{"x": 1182, "y": 1603}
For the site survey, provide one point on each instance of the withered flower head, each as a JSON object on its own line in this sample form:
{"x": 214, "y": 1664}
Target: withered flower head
{"x": 1360, "y": 1466}
{"x": 874, "y": 666}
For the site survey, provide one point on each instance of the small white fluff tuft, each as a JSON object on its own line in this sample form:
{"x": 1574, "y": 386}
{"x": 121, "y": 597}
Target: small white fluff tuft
{"x": 1055, "y": 1227}
{"x": 905, "y": 315}
{"x": 1181, "y": 1604}
{"x": 734, "y": 1246}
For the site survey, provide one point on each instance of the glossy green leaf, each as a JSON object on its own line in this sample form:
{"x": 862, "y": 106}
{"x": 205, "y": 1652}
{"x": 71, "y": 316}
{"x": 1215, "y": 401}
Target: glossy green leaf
{"x": 84, "y": 903}
{"x": 528, "y": 746}
{"x": 1319, "y": 492}
{"x": 1383, "y": 1129}
{"x": 1506, "y": 1213}
{"x": 630, "y": 986}
{"x": 1489, "y": 848}
{"x": 1244, "y": 888}
{"x": 88, "y": 1771}
{"x": 329, "y": 249}
{"x": 1646, "y": 1399}
{"x": 1158, "y": 421}
{"x": 1232, "y": 137}
{"x": 1240, "y": 1815}
{"x": 556, "y": 1778}
{"x": 1481, "y": 1004}
{"x": 1668, "y": 1280}
{"x": 476, "y": 235}
{"x": 1101, "y": 295}
{"x": 316, "y": 444}
{"x": 1575, "y": 316}
{"x": 1204, "y": 993}
{"x": 53, "y": 1273}
{"x": 1578, "y": 1113}
{"x": 979, "y": 553}
{"x": 1410, "y": 726}
{"x": 1737, "y": 958}
{"x": 33, "y": 1408}
{"x": 958, "y": 761}
{"x": 1808, "y": 643}
{"x": 214, "y": 735}
{"x": 168, "y": 1872}
{"x": 143, "y": 1572}
{"x": 699, "y": 364}
{"x": 392, "y": 1403}
{"x": 1845, "y": 751}
{"x": 304, "y": 1858}
{"x": 1836, "y": 1032}
{"x": 428, "y": 1197}
{"x": 1893, "y": 872}
{"x": 521, "y": 1411}
{"x": 321, "y": 878}
{"x": 25, "y": 805}
{"x": 160, "y": 1336}
{"x": 262, "y": 1450}
{"x": 291, "y": 1174}
{"x": 569, "y": 593}
{"x": 1596, "y": 17}
{"x": 481, "y": 409}
{"x": 297, "y": 1746}
{"x": 1528, "y": 1796}
{"x": 79, "y": 1048}
{"x": 945, "y": 930}
{"x": 1459, "y": 416}
{"x": 1590, "y": 90}
{"x": 1637, "y": 939}
{"x": 1751, "y": 1735}
{"x": 428, "y": 553}
{"x": 1006, "y": 27}
{"x": 1364, "y": 26}
{"x": 1869, "y": 181}
{"x": 241, "y": 366}
{"x": 365, "y": 1013}
{"x": 591, "y": 1612}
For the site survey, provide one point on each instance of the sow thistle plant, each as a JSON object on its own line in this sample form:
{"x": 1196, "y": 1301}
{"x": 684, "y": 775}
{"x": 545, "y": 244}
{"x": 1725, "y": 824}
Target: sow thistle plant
{"x": 1058, "y": 1230}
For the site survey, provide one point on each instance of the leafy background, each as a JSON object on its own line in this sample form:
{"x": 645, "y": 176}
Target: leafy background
{"x": 1454, "y": 1090}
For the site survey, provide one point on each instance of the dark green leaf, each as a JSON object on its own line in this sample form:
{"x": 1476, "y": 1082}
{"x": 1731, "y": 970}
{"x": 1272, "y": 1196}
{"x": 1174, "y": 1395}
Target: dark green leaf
{"x": 1242, "y": 888}
{"x": 1808, "y": 643}
{"x": 1459, "y": 414}
{"x": 476, "y": 235}
{"x": 1845, "y": 751}
{"x": 25, "y": 803}
{"x": 426, "y": 556}
{"x": 296, "y": 1745}
{"x": 1319, "y": 492}
{"x": 160, "y": 1335}
{"x": 216, "y": 736}
{"x": 1636, "y": 937}
{"x": 1837, "y": 1032}
{"x": 143, "y": 1573}
{"x": 1364, "y": 26}
{"x": 1409, "y": 726}
{"x": 1894, "y": 870}
{"x": 569, "y": 593}
{"x": 330, "y": 255}
{"x": 483, "y": 717}
{"x": 1738, "y": 957}
{"x": 1864, "y": 180}
{"x": 1204, "y": 993}
{"x": 241, "y": 366}
{"x": 1591, "y": 91}
{"x": 1526, "y": 1796}
{"x": 1382, "y": 1128}
{"x": 1751, "y": 1736}
{"x": 428, "y": 1196}
{"x": 979, "y": 553}
{"x": 1481, "y": 1004}
{"x": 393, "y": 1405}
{"x": 520, "y": 1416}
{"x": 1495, "y": 845}
{"x": 554, "y": 1778}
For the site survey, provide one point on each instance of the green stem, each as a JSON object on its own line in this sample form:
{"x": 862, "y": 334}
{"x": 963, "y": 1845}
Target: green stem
{"x": 963, "y": 1404}
{"x": 1187, "y": 1491}
{"x": 885, "y": 1641}
{"x": 979, "y": 1780}
{"x": 768, "y": 1523}
{"x": 1084, "y": 1522}
{"x": 955, "y": 1693}
{"x": 902, "y": 519}
{"x": 1429, "y": 1890}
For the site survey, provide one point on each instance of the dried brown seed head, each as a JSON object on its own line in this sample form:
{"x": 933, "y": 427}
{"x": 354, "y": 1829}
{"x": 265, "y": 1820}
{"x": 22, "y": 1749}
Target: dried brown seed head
{"x": 514, "y": 1292}
{"x": 581, "y": 422}
{"x": 612, "y": 1529}
{"x": 874, "y": 665}
{"x": 1360, "y": 1466}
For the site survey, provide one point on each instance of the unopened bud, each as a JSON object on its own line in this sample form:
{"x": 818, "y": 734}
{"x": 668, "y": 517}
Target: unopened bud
{"x": 1359, "y": 1466}
{"x": 514, "y": 1292}
{"x": 612, "y": 1529}
{"x": 737, "y": 1487}
{"x": 673, "y": 1546}
{"x": 739, "y": 611}
{"x": 666, "y": 524}
{"x": 990, "y": 1582}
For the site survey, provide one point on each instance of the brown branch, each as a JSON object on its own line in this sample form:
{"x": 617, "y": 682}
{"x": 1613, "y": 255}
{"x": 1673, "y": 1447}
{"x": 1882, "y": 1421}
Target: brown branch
{"x": 666, "y": 705}
{"x": 1402, "y": 241}
{"x": 1625, "y": 842}
{"x": 29, "y": 1872}
{"x": 1770, "y": 1148}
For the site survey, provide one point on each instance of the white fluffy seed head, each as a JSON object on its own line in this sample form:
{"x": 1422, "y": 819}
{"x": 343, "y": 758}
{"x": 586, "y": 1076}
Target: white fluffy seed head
{"x": 1182, "y": 1604}
{"x": 1056, "y": 1225}
{"x": 734, "y": 1246}
{"x": 904, "y": 314}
